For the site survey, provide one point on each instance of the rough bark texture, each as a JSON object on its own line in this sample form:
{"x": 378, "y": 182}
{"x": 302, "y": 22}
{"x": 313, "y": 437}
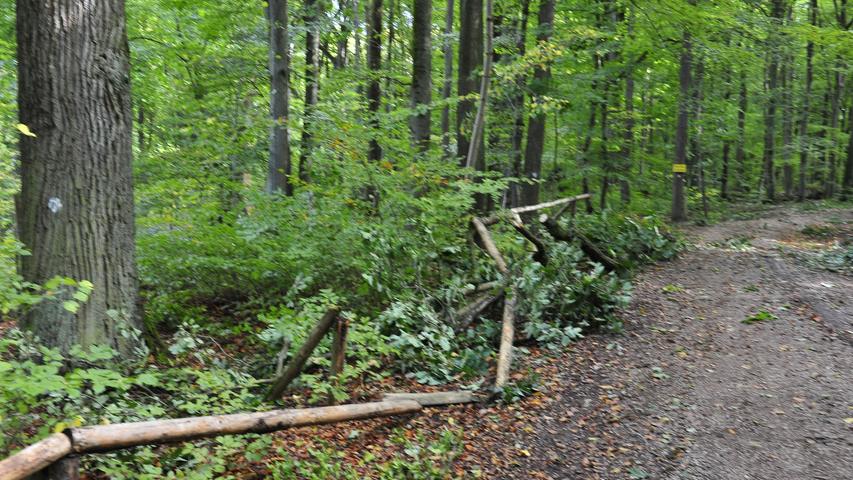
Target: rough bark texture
{"x": 421, "y": 72}
{"x": 536, "y": 123}
{"x": 35, "y": 457}
{"x": 447, "y": 87}
{"x": 75, "y": 211}
{"x": 374, "y": 64}
{"x": 628, "y": 132}
{"x": 312, "y": 79}
{"x": 679, "y": 206}
{"x": 279, "y": 168}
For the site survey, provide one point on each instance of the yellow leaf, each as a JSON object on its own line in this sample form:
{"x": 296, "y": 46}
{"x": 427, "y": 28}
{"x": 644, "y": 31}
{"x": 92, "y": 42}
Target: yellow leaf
{"x": 524, "y": 452}
{"x": 848, "y": 420}
{"x": 25, "y": 130}
{"x": 59, "y": 427}
{"x": 78, "y": 421}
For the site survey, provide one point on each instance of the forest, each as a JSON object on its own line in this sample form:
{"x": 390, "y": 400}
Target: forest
{"x": 224, "y": 207}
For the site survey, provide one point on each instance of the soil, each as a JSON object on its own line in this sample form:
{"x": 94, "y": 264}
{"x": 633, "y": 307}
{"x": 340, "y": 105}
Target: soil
{"x": 691, "y": 391}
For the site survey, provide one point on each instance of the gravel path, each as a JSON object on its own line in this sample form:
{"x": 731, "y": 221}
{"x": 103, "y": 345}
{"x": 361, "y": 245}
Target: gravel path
{"x": 689, "y": 391}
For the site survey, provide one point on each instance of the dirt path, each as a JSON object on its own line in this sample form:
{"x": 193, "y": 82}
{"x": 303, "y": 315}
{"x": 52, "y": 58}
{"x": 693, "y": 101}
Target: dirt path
{"x": 691, "y": 392}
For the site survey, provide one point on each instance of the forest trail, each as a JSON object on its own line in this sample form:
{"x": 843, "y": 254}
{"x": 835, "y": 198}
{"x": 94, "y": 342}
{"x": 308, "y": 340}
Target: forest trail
{"x": 690, "y": 391}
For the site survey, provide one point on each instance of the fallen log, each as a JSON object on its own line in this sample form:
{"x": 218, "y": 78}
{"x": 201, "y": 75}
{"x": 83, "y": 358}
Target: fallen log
{"x": 434, "y": 398}
{"x": 465, "y": 316}
{"x": 590, "y": 249}
{"x": 36, "y": 457}
{"x": 489, "y": 245}
{"x": 103, "y": 438}
{"x": 294, "y": 368}
{"x": 541, "y": 254}
{"x": 507, "y": 334}
{"x": 554, "y": 203}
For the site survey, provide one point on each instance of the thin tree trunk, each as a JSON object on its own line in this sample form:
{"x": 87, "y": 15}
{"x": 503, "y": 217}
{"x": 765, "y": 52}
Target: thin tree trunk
{"x": 772, "y": 101}
{"x": 517, "y": 105}
{"x": 447, "y": 88}
{"x": 740, "y": 151}
{"x": 536, "y": 123}
{"x": 470, "y": 59}
{"x": 421, "y": 72}
{"x": 389, "y": 54}
{"x": 679, "y": 205}
{"x": 278, "y": 175}
{"x": 804, "y": 121}
{"x": 474, "y": 149}
{"x": 312, "y": 78}
{"x": 628, "y": 134}
{"x": 75, "y": 211}
{"x": 374, "y": 64}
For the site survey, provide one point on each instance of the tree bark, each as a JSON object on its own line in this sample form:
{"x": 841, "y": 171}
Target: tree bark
{"x": 278, "y": 175}
{"x": 740, "y": 151}
{"x": 679, "y": 205}
{"x": 517, "y": 105}
{"x": 804, "y": 121}
{"x": 75, "y": 210}
{"x": 628, "y": 133}
{"x": 374, "y": 64}
{"x": 421, "y": 72}
{"x": 777, "y": 15}
{"x": 447, "y": 87}
{"x": 477, "y": 145}
{"x": 470, "y": 59}
{"x": 312, "y": 79}
{"x": 536, "y": 122}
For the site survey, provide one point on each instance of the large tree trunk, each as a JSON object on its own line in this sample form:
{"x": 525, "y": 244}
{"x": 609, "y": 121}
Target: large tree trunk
{"x": 278, "y": 175}
{"x": 447, "y": 87}
{"x": 374, "y": 64}
{"x": 312, "y": 79}
{"x": 421, "y": 72}
{"x": 536, "y": 123}
{"x": 804, "y": 121}
{"x": 75, "y": 213}
{"x": 847, "y": 183}
{"x": 679, "y": 206}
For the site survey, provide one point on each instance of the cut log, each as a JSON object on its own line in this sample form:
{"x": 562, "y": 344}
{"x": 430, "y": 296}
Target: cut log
{"x": 435, "y": 398}
{"x": 507, "y": 334}
{"x": 541, "y": 254}
{"x": 294, "y": 368}
{"x": 36, "y": 457}
{"x": 489, "y": 245}
{"x": 104, "y": 438}
{"x": 67, "y": 468}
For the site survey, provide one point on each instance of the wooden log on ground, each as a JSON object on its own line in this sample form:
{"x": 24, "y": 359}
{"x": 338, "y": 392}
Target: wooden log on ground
{"x": 541, "y": 254}
{"x": 434, "y": 398}
{"x": 489, "y": 245}
{"x": 294, "y": 368}
{"x": 339, "y": 353}
{"x": 590, "y": 249}
{"x": 507, "y": 334}
{"x": 36, "y": 457}
{"x": 465, "y": 316}
{"x": 103, "y": 438}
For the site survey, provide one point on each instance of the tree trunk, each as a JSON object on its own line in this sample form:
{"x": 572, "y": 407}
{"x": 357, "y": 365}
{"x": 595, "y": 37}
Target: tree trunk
{"x": 847, "y": 183}
{"x": 628, "y": 134}
{"x": 475, "y": 148}
{"x": 536, "y": 123}
{"x": 517, "y": 105}
{"x": 374, "y": 64}
{"x": 278, "y": 175}
{"x": 804, "y": 121}
{"x": 421, "y": 72}
{"x": 470, "y": 60}
{"x": 834, "y": 112}
{"x": 312, "y": 79}
{"x": 740, "y": 151}
{"x": 447, "y": 88}
{"x": 75, "y": 213}
{"x": 679, "y": 206}
{"x": 777, "y": 14}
